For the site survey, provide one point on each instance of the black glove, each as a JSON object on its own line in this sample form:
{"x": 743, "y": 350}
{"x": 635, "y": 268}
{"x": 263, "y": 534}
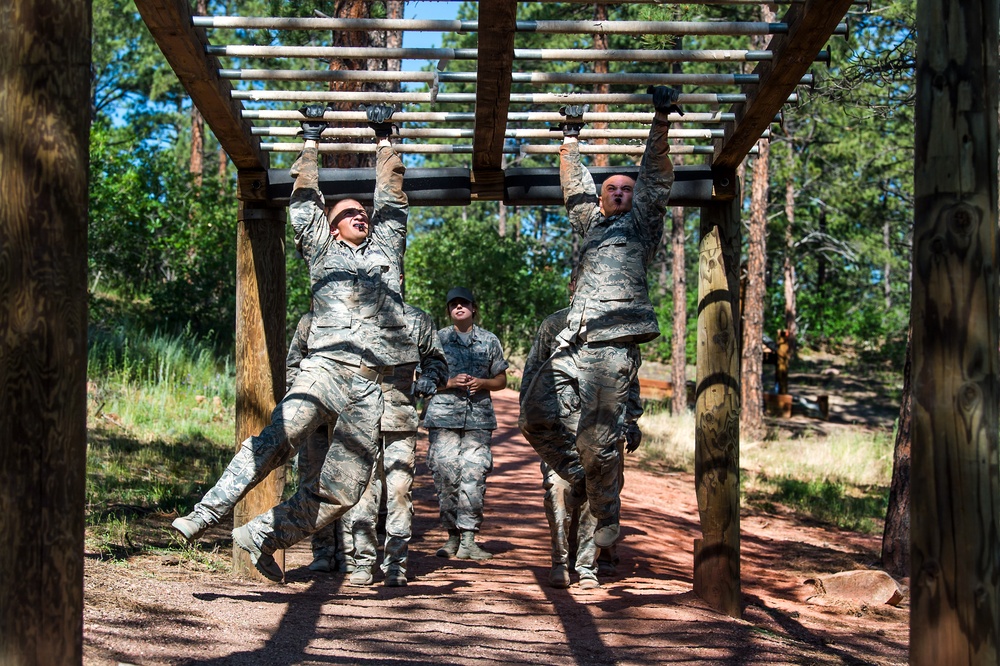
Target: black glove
{"x": 574, "y": 119}
{"x": 313, "y": 125}
{"x": 665, "y": 99}
{"x": 633, "y": 437}
{"x": 424, "y": 387}
{"x": 378, "y": 116}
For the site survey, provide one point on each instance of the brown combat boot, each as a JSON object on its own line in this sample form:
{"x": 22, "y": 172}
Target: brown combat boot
{"x": 450, "y": 547}
{"x": 468, "y": 549}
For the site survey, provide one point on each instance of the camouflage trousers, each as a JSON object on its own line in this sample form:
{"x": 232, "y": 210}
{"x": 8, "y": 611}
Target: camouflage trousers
{"x": 571, "y": 527}
{"x": 590, "y": 459}
{"x": 324, "y": 393}
{"x": 393, "y": 477}
{"x": 328, "y": 542}
{"x": 459, "y": 461}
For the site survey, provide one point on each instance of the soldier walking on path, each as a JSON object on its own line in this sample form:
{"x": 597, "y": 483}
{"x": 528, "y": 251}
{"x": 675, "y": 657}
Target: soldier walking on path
{"x": 355, "y": 266}
{"x": 609, "y": 316}
{"x": 460, "y": 422}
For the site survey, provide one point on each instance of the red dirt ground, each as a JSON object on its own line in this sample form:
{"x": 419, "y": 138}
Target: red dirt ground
{"x": 166, "y": 610}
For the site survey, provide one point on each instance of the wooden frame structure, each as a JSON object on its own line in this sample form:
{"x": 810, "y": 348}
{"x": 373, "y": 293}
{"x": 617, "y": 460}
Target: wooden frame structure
{"x": 796, "y": 42}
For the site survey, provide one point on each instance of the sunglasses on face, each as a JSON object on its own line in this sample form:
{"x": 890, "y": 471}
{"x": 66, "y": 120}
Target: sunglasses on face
{"x": 458, "y": 301}
{"x": 348, "y": 213}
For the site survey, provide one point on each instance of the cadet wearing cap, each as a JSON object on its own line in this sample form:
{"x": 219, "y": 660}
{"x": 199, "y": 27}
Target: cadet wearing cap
{"x": 460, "y": 423}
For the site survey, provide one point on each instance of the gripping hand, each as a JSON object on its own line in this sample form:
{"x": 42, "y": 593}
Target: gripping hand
{"x": 665, "y": 99}
{"x": 574, "y": 119}
{"x": 633, "y": 437}
{"x": 313, "y": 125}
{"x": 424, "y": 387}
{"x": 378, "y": 119}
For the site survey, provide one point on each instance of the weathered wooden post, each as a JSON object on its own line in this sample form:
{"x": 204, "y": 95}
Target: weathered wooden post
{"x": 44, "y": 146}
{"x": 260, "y": 348}
{"x": 955, "y": 490}
{"x": 717, "y": 407}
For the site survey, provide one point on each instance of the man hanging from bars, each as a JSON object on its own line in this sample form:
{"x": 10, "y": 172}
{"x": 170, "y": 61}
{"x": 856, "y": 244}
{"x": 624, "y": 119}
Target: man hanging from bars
{"x": 358, "y": 325}
{"x": 610, "y": 314}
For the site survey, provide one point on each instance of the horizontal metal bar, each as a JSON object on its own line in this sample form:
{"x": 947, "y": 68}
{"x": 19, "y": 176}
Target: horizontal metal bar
{"x": 574, "y": 55}
{"x": 528, "y": 116}
{"x": 450, "y": 133}
{"x": 615, "y": 78}
{"x": 534, "y": 26}
{"x": 466, "y": 149}
{"x": 466, "y": 98}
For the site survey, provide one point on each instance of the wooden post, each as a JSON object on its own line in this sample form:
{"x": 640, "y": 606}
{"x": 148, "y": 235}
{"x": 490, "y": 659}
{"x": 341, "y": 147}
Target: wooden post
{"x": 260, "y": 349}
{"x": 955, "y": 491}
{"x": 717, "y": 407}
{"x": 781, "y": 367}
{"x": 44, "y": 146}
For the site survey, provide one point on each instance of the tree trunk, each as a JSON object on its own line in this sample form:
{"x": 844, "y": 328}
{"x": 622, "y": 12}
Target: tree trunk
{"x": 196, "y": 165}
{"x": 788, "y": 267}
{"x": 887, "y": 267}
{"x": 353, "y": 9}
{"x": 752, "y": 415}
{"x": 44, "y": 125}
{"x": 678, "y": 355}
{"x": 896, "y": 535}
{"x": 955, "y": 498}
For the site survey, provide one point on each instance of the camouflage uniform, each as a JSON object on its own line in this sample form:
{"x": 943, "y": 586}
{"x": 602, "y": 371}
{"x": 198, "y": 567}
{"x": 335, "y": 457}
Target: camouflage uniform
{"x": 569, "y": 547}
{"x": 357, "y": 325}
{"x": 394, "y": 475}
{"x": 609, "y": 315}
{"x": 460, "y": 427}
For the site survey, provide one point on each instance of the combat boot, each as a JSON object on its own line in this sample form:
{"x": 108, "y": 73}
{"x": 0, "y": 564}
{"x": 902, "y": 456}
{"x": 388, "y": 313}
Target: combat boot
{"x": 589, "y": 582}
{"x": 361, "y": 577}
{"x": 450, "y": 547}
{"x": 320, "y": 564}
{"x": 606, "y": 536}
{"x": 190, "y": 526}
{"x": 468, "y": 549}
{"x": 559, "y": 576}
{"x": 394, "y": 578}
{"x": 264, "y": 562}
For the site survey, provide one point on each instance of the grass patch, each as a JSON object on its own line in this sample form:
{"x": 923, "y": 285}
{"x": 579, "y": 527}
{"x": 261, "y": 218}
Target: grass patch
{"x": 842, "y": 479}
{"x": 160, "y": 417}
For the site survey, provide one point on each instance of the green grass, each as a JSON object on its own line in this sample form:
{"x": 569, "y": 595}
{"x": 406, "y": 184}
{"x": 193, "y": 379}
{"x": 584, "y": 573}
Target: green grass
{"x": 161, "y": 416}
{"x": 842, "y": 479}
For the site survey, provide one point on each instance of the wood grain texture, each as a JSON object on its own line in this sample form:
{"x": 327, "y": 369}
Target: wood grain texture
{"x": 955, "y": 491}
{"x": 717, "y": 408}
{"x": 810, "y": 25}
{"x": 260, "y": 349}
{"x": 496, "y": 58}
{"x": 183, "y": 45}
{"x": 44, "y": 145}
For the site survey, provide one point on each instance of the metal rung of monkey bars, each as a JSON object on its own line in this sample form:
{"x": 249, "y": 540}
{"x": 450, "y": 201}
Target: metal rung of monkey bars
{"x": 447, "y": 133}
{"x": 544, "y": 27}
{"x": 441, "y": 149}
{"x": 525, "y": 116}
{"x": 467, "y": 98}
{"x": 616, "y": 78}
{"x": 573, "y": 55}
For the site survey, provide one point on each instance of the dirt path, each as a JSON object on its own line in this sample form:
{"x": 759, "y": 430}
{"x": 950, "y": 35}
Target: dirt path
{"x": 503, "y": 611}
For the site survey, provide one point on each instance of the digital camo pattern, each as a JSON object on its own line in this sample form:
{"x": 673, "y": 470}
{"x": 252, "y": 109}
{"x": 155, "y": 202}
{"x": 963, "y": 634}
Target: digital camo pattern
{"x": 579, "y": 549}
{"x": 459, "y": 460}
{"x": 356, "y": 293}
{"x": 394, "y": 477}
{"x": 326, "y": 543}
{"x": 425, "y": 352}
{"x": 611, "y": 301}
{"x": 323, "y": 393}
{"x": 482, "y": 356}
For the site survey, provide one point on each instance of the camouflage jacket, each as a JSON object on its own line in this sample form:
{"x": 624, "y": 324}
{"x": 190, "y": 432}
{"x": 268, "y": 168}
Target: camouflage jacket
{"x": 611, "y": 301}
{"x": 397, "y": 388}
{"x": 357, "y": 304}
{"x": 481, "y": 357}
{"x": 546, "y": 343}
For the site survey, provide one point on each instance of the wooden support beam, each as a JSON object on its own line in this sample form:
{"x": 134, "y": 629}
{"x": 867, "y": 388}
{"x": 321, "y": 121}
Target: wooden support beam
{"x": 810, "y": 25}
{"x": 496, "y": 57}
{"x": 260, "y": 350}
{"x": 955, "y": 490}
{"x": 717, "y": 408}
{"x": 183, "y": 45}
{"x": 44, "y": 125}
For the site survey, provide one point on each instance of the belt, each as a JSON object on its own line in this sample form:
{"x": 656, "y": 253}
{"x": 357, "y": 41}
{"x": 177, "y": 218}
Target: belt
{"x": 375, "y": 374}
